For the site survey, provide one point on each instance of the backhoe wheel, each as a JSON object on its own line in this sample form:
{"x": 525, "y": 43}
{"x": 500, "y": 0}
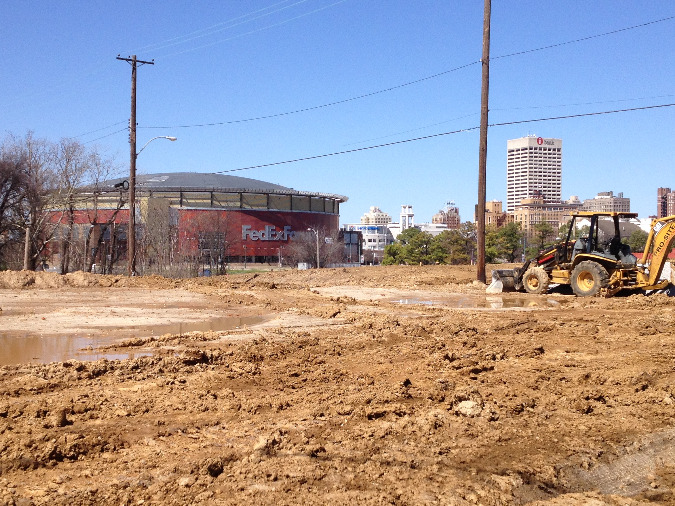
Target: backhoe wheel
{"x": 588, "y": 278}
{"x": 535, "y": 280}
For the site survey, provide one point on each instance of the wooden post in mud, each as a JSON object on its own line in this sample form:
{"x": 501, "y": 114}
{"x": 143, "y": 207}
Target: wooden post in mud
{"x": 482, "y": 155}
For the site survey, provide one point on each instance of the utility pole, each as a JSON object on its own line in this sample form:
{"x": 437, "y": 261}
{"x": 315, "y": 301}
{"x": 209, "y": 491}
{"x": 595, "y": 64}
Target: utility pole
{"x": 482, "y": 155}
{"x": 131, "y": 232}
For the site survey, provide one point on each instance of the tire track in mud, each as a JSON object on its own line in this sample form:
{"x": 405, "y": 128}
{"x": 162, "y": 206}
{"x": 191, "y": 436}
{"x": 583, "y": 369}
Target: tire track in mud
{"x": 644, "y": 466}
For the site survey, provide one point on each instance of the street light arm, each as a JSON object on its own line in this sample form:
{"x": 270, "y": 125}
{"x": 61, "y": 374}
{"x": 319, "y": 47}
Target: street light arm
{"x": 158, "y": 137}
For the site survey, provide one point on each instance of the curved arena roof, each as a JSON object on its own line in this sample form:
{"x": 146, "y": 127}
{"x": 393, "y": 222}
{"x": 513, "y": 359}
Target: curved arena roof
{"x": 206, "y": 182}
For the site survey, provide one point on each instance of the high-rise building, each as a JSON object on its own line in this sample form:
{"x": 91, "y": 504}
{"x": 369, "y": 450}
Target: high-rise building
{"x": 448, "y": 216}
{"x": 665, "y": 202}
{"x": 533, "y": 170}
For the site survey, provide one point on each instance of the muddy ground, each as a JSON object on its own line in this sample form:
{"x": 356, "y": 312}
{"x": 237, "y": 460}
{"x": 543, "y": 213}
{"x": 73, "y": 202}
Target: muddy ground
{"x": 396, "y": 385}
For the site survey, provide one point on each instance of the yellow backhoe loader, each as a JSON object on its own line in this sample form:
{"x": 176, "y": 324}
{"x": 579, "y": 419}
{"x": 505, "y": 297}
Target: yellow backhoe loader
{"x": 598, "y": 264}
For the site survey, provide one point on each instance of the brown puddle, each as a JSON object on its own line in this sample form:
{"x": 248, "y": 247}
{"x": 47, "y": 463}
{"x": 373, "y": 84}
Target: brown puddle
{"x": 30, "y": 348}
{"x": 460, "y": 301}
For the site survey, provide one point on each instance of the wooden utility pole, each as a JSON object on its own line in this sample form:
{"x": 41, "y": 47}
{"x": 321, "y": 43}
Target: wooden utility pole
{"x": 482, "y": 155}
{"x": 131, "y": 232}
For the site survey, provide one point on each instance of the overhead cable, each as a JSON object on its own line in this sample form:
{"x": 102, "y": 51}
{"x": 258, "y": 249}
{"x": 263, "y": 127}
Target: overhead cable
{"x": 582, "y": 39}
{"x": 347, "y": 151}
{"x": 107, "y": 135}
{"x": 410, "y": 83}
{"x": 316, "y": 106}
{"x": 99, "y": 129}
{"x": 218, "y": 27}
{"x": 262, "y": 29}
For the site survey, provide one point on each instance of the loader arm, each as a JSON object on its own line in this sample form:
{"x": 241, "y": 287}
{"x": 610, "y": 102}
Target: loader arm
{"x": 659, "y": 241}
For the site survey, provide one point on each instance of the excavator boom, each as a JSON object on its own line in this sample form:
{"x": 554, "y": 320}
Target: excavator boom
{"x": 660, "y": 239}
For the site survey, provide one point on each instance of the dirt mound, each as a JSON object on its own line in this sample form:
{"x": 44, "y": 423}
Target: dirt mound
{"x": 351, "y": 400}
{"x": 80, "y": 279}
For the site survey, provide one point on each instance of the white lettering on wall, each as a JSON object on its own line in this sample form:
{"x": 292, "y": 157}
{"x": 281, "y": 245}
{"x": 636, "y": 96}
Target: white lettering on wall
{"x": 269, "y": 233}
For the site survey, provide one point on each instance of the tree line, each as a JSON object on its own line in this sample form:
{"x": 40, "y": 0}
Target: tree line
{"x": 502, "y": 244}
{"x": 39, "y": 183}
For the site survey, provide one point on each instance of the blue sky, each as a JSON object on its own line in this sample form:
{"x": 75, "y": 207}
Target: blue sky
{"x": 220, "y": 62}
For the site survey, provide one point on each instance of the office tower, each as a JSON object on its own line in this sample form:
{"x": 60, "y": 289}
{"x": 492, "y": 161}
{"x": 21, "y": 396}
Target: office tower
{"x": 533, "y": 170}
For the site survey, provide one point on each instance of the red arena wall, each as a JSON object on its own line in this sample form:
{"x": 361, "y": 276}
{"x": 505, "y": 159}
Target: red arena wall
{"x": 252, "y": 233}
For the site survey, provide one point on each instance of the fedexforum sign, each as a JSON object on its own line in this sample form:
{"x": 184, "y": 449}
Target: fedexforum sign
{"x": 269, "y": 233}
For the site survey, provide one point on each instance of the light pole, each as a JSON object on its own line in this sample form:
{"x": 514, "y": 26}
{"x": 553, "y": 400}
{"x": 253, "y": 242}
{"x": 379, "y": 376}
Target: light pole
{"x": 131, "y": 233}
{"x": 316, "y": 232}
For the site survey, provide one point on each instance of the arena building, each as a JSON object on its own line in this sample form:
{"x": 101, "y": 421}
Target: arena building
{"x": 197, "y": 214}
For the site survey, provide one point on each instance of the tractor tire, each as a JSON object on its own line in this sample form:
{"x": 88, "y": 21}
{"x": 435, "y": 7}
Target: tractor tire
{"x": 535, "y": 280}
{"x": 588, "y": 278}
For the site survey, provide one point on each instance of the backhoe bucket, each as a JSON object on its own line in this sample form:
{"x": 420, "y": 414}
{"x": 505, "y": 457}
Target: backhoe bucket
{"x": 502, "y": 280}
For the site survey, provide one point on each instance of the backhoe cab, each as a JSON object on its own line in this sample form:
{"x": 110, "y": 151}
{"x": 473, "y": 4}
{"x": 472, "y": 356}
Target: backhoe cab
{"x": 596, "y": 264}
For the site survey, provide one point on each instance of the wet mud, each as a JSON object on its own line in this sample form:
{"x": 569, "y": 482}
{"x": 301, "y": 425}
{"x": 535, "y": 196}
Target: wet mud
{"x": 344, "y": 394}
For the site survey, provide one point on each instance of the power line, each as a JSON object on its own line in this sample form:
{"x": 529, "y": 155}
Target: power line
{"x": 409, "y": 83}
{"x": 581, "y": 115}
{"x": 218, "y": 27}
{"x": 582, "y": 39}
{"x": 330, "y": 104}
{"x": 255, "y": 31}
{"x": 413, "y": 129}
{"x": 550, "y": 106}
{"x": 347, "y": 151}
{"x": 619, "y": 100}
{"x": 355, "y": 150}
{"x": 125, "y": 129}
{"x": 99, "y": 129}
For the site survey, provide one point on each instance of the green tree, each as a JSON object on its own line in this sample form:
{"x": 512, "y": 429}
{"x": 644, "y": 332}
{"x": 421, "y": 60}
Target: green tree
{"x": 412, "y": 246}
{"x": 637, "y": 240}
{"x": 418, "y": 249}
{"x": 543, "y": 235}
{"x": 405, "y": 249}
{"x": 450, "y": 246}
{"x": 503, "y": 243}
{"x": 467, "y": 232}
{"x": 407, "y": 235}
{"x": 393, "y": 254}
{"x": 491, "y": 239}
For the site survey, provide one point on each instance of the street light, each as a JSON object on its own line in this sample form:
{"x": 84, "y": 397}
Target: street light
{"x": 158, "y": 137}
{"x": 131, "y": 233}
{"x": 317, "y": 246}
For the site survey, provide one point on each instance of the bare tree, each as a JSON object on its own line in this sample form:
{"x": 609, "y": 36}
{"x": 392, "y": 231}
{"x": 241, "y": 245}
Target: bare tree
{"x": 157, "y": 245}
{"x": 215, "y": 241}
{"x": 45, "y": 203}
{"x": 12, "y": 185}
{"x": 32, "y": 158}
{"x": 303, "y": 246}
{"x": 71, "y": 165}
{"x": 79, "y": 172}
{"x": 99, "y": 170}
